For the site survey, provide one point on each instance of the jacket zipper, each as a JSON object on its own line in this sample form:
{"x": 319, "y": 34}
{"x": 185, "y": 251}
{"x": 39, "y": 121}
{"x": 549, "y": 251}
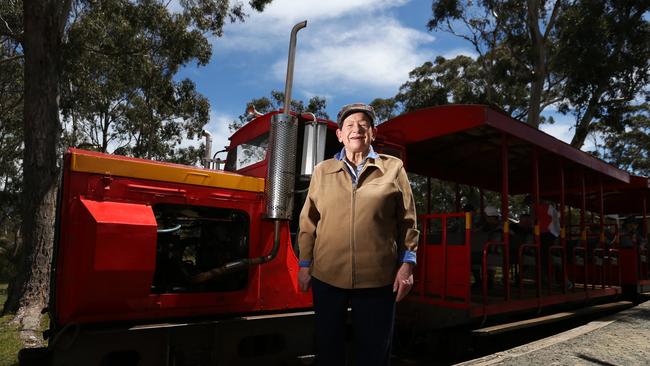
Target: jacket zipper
{"x": 352, "y": 233}
{"x": 352, "y": 226}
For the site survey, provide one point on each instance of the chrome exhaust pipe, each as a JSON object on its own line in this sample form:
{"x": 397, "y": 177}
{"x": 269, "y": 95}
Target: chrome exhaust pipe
{"x": 288, "y": 84}
{"x": 207, "y": 158}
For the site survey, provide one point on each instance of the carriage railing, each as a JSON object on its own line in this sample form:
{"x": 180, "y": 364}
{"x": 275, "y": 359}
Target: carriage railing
{"x": 485, "y": 264}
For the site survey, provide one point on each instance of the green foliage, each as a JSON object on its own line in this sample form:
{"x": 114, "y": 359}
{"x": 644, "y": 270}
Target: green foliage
{"x": 117, "y": 91}
{"x": 502, "y": 73}
{"x": 316, "y": 105}
{"x": 602, "y": 60}
{"x": 460, "y": 80}
{"x": 588, "y": 57}
{"x": 385, "y": 109}
{"x": 10, "y": 342}
{"x": 11, "y": 143}
{"x": 626, "y": 135}
{"x": 11, "y": 114}
{"x": 119, "y": 75}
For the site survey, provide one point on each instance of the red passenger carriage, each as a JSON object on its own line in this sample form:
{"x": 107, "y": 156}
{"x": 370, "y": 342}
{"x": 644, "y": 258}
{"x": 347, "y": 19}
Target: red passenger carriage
{"x": 483, "y": 148}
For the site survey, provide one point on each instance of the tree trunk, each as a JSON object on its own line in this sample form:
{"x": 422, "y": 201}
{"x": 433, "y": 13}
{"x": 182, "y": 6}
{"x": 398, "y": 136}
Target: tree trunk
{"x": 539, "y": 64}
{"x": 583, "y": 126}
{"x": 42, "y": 41}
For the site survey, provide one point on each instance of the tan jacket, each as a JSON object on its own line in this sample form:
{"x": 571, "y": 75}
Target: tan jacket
{"x": 352, "y": 235}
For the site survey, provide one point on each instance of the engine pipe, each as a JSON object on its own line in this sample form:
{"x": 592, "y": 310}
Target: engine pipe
{"x": 207, "y": 162}
{"x": 241, "y": 264}
{"x": 281, "y": 175}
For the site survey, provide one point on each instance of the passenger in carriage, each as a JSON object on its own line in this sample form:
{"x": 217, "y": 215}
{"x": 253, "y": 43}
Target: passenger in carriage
{"x": 489, "y": 229}
{"x": 548, "y": 220}
{"x": 520, "y": 233}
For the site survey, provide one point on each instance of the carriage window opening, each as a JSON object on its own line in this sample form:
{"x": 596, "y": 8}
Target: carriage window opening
{"x": 248, "y": 153}
{"x": 456, "y": 230}
{"x": 191, "y": 241}
{"x": 434, "y": 231}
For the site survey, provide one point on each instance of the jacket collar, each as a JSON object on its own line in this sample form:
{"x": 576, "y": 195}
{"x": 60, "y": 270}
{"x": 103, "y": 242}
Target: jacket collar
{"x": 373, "y": 159}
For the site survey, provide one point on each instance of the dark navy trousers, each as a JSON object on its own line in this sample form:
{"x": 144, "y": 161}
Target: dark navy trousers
{"x": 373, "y": 316}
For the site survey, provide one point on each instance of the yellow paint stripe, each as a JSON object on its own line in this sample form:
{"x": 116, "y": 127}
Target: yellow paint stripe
{"x": 142, "y": 169}
{"x": 468, "y": 221}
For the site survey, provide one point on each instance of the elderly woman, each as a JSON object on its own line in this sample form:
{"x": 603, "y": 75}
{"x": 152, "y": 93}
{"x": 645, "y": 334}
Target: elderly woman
{"x": 357, "y": 242}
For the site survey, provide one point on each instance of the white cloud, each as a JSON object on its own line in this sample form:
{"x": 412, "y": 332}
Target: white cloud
{"x": 376, "y": 55}
{"x": 355, "y": 47}
{"x": 291, "y": 11}
{"x": 218, "y": 127}
{"x": 564, "y": 129}
{"x": 561, "y": 131}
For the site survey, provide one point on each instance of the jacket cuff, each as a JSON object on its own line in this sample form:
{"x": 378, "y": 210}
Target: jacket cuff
{"x": 408, "y": 256}
{"x": 304, "y": 263}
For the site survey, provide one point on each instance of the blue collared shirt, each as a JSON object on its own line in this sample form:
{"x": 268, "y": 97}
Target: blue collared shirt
{"x": 405, "y": 256}
{"x": 354, "y": 172}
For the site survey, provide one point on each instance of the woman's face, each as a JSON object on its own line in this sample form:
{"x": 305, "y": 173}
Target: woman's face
{"x": 356, "y": 133}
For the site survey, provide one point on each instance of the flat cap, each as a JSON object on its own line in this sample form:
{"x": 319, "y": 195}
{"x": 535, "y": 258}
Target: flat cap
{"x": 354, "y": 108}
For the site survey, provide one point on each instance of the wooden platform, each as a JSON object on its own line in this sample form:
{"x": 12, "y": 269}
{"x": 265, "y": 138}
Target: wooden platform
{"x": 502, "y": 328}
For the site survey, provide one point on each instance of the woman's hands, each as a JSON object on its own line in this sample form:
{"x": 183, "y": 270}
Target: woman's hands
{"x": 403, "y": 281}
{"x": 402, "y": 285}
{"x": 304, "y": 279}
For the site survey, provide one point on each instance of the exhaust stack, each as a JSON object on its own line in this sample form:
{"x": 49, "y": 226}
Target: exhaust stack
{"x": 283, "y": 142}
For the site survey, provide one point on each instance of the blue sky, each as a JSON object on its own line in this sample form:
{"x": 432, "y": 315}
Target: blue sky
{"x": 351, "y": 50}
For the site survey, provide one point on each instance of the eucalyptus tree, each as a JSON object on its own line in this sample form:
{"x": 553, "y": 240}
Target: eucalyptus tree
{"x": 385, "y": 108}
{"x": 625, "y": 137}
{"x": 602, "y": 60}
{"x": 11, "y": 142}
{"x": 138, "y": 47}
{"x": 316, "y": 105}
{"x": 582, "y": 57}
{"x": 119, "y": 88}
{"x": 513, "y": 41}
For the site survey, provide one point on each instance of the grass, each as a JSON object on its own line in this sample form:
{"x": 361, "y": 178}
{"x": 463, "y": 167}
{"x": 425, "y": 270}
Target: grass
{"x": 9, "y": 341}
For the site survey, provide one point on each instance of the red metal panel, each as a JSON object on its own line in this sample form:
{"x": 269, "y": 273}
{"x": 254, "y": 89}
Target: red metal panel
{"x": 629, "y": 262}
{"x": 113, "y": 258}
{"x": 444, "y": 271}
{"x": 427, "y": 123}
{"x": 457, "y": 285}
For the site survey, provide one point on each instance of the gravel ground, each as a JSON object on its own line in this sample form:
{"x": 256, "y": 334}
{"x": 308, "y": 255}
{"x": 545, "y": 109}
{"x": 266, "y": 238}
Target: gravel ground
{"x": 621, "y": 339}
